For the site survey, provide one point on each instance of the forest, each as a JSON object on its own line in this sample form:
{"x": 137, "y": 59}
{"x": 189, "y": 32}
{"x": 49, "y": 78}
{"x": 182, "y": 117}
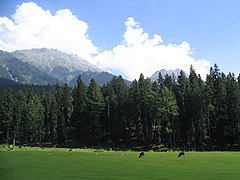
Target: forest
{"x": 183, "y": 112}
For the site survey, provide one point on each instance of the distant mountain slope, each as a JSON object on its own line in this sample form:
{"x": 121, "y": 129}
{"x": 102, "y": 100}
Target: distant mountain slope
{"x": 48, "y": 66}
{"x": 7, "y": 83}
{"x": 100, "y": 78}
{"x": 62, "y": 66}
{"x": 10, "y": 84}
{"x": 164, "y": 72}
{"x": 50, "y": 59}
{"x": 14, "y": 69}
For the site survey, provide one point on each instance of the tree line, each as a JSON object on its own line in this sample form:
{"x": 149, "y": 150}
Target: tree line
{"x": 173, "y": 112}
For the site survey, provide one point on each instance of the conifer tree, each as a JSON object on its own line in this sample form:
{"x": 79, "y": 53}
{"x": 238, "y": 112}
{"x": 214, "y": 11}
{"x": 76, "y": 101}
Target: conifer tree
{"x": 79, "y": 117}
{"x": 95, "y": 106}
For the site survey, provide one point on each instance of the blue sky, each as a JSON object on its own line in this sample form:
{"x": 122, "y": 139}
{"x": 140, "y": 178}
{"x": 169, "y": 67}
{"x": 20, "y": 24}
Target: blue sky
{"x": 200, "y": 32}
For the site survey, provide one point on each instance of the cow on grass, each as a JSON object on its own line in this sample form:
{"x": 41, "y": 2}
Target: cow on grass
{"x": 141, "y": 154}
{"x": 181, "y": 153}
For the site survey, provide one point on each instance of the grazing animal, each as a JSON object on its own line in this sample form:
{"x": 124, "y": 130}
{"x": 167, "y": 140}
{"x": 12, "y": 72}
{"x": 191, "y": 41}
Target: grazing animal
{"x": 182, "y": 153}
{"x": 141, "y": 154}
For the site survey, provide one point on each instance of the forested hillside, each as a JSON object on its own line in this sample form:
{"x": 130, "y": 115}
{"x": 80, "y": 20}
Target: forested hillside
{"x": 186, "y": 113}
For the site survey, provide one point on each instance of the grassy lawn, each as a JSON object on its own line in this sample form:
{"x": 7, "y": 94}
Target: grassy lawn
{"x": 36, "y": 163}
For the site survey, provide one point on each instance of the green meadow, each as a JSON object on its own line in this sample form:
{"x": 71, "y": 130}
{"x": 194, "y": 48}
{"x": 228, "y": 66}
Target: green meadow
{"x": 53, "y": 163}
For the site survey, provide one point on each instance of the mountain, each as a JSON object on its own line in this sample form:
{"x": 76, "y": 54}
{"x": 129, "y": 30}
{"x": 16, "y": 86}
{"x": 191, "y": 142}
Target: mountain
{"x": 164, "y": 72}
{"x": 7, "y": 83}
{"x": 10, "y": 84}
{"x": 48, "y": 66}
{"x": 13, "y": 68}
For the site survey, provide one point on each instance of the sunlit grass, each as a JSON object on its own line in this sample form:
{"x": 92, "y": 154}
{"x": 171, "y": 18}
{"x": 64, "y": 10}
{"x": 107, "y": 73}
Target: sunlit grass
{"x": 56, "y": 163}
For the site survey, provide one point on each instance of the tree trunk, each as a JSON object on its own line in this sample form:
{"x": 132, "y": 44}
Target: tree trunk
{"x": 8, "y": 138}
{"x": 159, "y": 135}
{"x": 209, "y": 133}
{"x": 170, "y": 140}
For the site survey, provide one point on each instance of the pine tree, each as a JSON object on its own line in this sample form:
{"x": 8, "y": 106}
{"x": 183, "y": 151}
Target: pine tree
{"x": 79, "y": 117}
{"x": 210, "y": 108}
{"x": 95, "y": 106}
{"x": 53, "y": 121}
{"x": 146, "y": 99}
{"x": 61, "y": 124}
{"x": 34, "y": 119}
{"x": 221, "y": 111}
{"x": 233, "y": 110}
{"x": 134, "y": 122}
{"x": 6, "y": 114}
{"x": 46, "y": 102}
{"x": 168, "y": 110}
{"x": 182, "y": 96}
{"x": 110, "y": 112}
{"x": 120, "y": 123}
{"x": 67, "y": 108}
{"x": 197, "y": 110}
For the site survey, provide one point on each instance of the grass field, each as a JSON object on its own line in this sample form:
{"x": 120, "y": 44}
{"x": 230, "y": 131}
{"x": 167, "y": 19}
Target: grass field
{"x": 36, "y": 163}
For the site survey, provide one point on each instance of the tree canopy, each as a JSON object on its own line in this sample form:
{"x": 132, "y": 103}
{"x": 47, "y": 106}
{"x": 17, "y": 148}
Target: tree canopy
{"x": 175, "y": 112}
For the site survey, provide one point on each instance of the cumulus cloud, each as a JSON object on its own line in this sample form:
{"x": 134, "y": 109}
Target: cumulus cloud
{"x": 138, "y": 53}
{"x": 33, "y": 27}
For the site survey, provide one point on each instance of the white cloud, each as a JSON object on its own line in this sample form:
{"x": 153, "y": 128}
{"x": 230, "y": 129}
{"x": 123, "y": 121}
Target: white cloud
{"x": 33, "y": 27}
{"x": 140, "y": 54}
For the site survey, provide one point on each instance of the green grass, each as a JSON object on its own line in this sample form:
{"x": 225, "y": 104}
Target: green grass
{"x": 35, "y": 163}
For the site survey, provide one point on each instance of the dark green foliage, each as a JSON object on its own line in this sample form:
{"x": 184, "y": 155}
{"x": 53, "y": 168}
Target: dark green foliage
{"x": 79, "y": 117}
{"x": 94, "y": 112}
{"x": 183, "y": 112}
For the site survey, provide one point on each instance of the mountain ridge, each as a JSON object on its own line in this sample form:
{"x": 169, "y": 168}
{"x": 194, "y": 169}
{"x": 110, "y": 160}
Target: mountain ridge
{"x": 48, "y": 66}
{"x": 164, "y": 72}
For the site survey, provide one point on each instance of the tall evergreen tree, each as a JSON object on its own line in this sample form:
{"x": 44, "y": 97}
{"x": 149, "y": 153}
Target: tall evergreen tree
{"x": 120, "y": 123}
{"x": 221, "y": 111}
{"x": 6, "y": 114}
{"x": 66, "y": 107}
{"x": 20, "y": 105}
{"x": 79, "y": 117}
{"x": 34, "y": 119}
{"x": 146, "y": 97}
{"x": 182, "y": 96}
{"x": 233, "y": 110}
{"x": 95, "y": 104}
{"x": 110, "y": 112}
{"x": 197, "y": 110}
{"x": 46, "y": 102}
{"x": 169, "y": 111}
{"x": 53, "y": 121}
{"x": 210, "y": 107}
{"x": 61, "y": 127}
{"x": 134, "y": 122}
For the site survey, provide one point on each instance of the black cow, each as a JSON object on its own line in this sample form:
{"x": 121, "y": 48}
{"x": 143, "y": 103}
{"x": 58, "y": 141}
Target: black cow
{"x": 181, "y": 153}
{"x": 141, "y": 154}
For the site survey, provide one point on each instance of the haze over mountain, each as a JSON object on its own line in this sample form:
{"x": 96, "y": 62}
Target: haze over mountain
{"x": 48, "y": 66}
